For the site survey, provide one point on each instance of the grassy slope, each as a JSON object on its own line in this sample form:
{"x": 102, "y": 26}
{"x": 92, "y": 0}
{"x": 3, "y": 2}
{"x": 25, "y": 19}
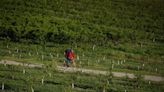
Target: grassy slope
{"x": 129, "y": 30}
{"x": 84, "y": 20}
{"x": 15, "y": 80}
{"x": 101, "y": 58}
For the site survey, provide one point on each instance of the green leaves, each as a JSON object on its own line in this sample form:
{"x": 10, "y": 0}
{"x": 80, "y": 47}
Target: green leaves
{"x": 97, "y": 22}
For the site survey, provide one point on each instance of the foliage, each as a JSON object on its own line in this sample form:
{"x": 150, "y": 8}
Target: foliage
{"x": 85, "y": 21}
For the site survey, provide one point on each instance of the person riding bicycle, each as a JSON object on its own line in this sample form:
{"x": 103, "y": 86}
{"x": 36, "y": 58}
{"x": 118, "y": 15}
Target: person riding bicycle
{"x": 69, "y": 57}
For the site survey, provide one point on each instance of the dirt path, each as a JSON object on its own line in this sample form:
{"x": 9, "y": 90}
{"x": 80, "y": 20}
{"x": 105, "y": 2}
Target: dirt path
{"x": 116, "y": 74}
{"x": 87, "y": 71}
{"x": 8, "y": 62}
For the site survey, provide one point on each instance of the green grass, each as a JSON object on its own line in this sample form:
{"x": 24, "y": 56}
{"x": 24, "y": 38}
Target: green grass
{"x": 15, "y": 81}
{"x": 41, "y": 30}
{"x": 101, "y": 58}
{"x": 97, "y": 22}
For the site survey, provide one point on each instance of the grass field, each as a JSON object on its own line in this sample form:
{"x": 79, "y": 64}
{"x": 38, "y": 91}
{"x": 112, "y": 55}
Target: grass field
{"x": 23, "y": 79}
{"x": 112, "y": 35}
{"x": 100, "y": 58}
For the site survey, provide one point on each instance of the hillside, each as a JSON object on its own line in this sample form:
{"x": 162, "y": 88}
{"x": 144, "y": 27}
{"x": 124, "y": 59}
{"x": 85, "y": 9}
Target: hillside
{"x": 98, "y": 22}
{"x": 115, "y": 36}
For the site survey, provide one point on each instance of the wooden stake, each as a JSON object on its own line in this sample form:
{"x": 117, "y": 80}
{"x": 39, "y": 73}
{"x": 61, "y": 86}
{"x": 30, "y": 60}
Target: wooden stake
{"x": 104, "y": 89}
{"x": 29, "y": 54}
{"x": 73, "y": 85}
{"x": 24, "y": 71}
{"x": 112, "y": 66}
{"x": 17, "y": 50}
{"x": 156, "y": 69}
{"x": 154, "y": 40}
{"x": 42, "y": 81}
{"x": 32, "y": 90}
{"x": 3, "y": 86}
{"x": 104, "y": 58}
{"x": 98, "y": 60}
{"x": 118, "y": 62}
{"x": 149, "y": 82}
{"x": 77, "y": 57}
{"x": 93, "y": 47}
{"x": 143, "y": 65}
{"x": 51, "y": 55}
{"x": 42, "y": 57}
